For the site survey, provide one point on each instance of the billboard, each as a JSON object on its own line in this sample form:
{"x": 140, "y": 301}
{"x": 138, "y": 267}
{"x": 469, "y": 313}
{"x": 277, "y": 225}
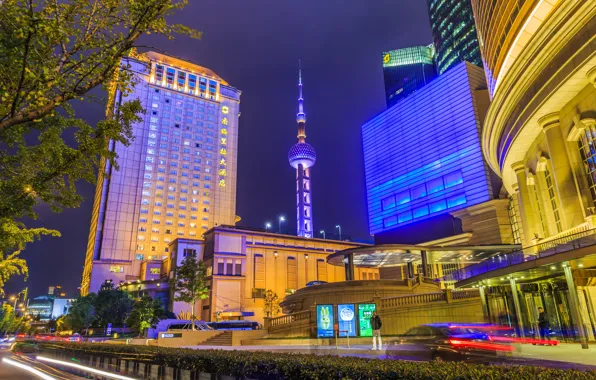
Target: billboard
{"x": 346, "y": 317}
{"x": 365, "y": 312}
{"x": 325, "y": 321}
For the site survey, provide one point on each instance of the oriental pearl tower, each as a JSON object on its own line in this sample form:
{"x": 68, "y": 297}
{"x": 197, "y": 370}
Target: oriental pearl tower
{"x": 302, "y": 157}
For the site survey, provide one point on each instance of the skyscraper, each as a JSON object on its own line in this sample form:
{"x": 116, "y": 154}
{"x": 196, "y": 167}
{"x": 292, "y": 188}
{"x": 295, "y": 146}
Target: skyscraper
{"x": 407, "y": 70}
{"x": 302, "y": 157}
{"x": 177, "y": 178}
{"x": 454, "y": 33}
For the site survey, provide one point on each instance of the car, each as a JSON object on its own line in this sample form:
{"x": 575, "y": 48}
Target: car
{"x": 447, "y": 342}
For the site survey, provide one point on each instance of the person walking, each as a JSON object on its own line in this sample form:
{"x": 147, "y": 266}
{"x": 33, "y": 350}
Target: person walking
{"x": 375, "y": 323}
{"x": 543, "y": 325}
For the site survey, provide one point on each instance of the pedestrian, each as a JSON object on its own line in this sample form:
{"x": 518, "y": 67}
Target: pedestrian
{"x": 375, "y": 323}
{"x": 543, "y": 325}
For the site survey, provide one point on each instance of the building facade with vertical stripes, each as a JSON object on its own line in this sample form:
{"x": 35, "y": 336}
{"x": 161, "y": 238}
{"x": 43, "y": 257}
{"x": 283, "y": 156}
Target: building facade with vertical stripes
{"x": 423, "y": 156}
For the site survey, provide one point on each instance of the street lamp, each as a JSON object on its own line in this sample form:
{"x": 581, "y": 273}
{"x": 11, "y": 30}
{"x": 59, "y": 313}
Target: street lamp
{"x": 339, "y": 227}
{"x": 322, "y": 232}
{"x": 281, "y": 219}
{"x": 267, "y": 226}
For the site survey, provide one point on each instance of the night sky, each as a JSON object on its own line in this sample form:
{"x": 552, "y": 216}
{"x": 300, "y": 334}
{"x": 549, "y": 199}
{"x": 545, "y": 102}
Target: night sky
{"x": 255, "y": 46}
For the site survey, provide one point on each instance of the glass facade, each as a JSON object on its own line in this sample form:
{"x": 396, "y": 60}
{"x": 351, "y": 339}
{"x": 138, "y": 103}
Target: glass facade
{"x": 454, "y": 33}
{"x": 176, "y": 178}
{"x": 407, "y": 70}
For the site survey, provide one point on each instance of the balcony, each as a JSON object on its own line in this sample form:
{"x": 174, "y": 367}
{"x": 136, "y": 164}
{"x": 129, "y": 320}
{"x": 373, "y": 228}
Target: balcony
{"x": 564, "y": 243}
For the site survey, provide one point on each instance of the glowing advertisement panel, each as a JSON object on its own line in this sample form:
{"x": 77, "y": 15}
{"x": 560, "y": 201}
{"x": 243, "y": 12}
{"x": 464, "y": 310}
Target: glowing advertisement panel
{"x": 365, "y": 312}
{"x": 325, "y": 321}
{"x": 346, "y": 317}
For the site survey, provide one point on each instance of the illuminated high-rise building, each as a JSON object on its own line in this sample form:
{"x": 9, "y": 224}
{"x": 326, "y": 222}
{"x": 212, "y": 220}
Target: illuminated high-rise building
{"x": 454, "y": 33}
{"x": 407, "y": 70}
{"x": 302, "y": 157}
{"x": 176, "y": 179}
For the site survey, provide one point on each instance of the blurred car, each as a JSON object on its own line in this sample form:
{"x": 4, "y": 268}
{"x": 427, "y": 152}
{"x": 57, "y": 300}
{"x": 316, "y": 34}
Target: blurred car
{"x": 447, "y": 342}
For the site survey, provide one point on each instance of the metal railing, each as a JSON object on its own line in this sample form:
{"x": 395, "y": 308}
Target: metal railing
{"x": 465, "y": 294}
{"x": 561, "y": 243}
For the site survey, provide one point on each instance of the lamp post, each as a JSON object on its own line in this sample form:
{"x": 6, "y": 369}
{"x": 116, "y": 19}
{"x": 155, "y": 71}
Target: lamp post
{"x": 15, "y": 299}
{"x": 322, "y": 232}
{"x": 267, "y": 226}
{"x": 281, "y": 219}
{"x": 339, "y": 228}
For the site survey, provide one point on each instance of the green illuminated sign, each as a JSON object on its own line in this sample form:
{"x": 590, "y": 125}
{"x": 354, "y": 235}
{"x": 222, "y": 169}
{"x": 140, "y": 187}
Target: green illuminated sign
{"x": 365, "y": 312}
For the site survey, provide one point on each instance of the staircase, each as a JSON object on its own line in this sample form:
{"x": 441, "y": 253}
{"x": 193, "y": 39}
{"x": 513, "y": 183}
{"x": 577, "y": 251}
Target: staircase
{"x": 223, "y": 339}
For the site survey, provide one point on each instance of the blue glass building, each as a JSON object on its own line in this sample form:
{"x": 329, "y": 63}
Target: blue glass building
{"x": 422, "y": 157}
{"x": 407, "y": 70}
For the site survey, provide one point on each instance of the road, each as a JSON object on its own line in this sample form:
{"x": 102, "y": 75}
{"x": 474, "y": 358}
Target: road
{"x": 11, "y": 372}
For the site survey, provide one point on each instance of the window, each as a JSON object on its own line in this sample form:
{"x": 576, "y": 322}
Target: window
{"x": 229, "y": 268}
{"x": 404, "y": 217}
{"x": 292, "y": 277}
{"x": 453, "y": 179}
{"x": 456, "y": 200}
{"x": 514, "y": 221}
{"x": 553, "y": 199}
{"x": 388, "y": 202}
{"x": 220, "y": 266}
{"x": 437, "y": 206}
{"x": 189, "y": 252}
{"x": 403, "y": 197}
{"x": 435, "y": 185}
{"x": 538, "y": 204}
{"x": 418, "y": 192}
{"x": 238, "y": 267}
{"x": 420, "y": 211}
{"x": 587, "y": 142}
{"x": 139, "y": 256}
{"x": 389, "y": 222}
{"x": 259, "y": 272}
{"x": 154, "y": 271}
{"x": 321, "y": 270}
{"x": 116, "y": 269}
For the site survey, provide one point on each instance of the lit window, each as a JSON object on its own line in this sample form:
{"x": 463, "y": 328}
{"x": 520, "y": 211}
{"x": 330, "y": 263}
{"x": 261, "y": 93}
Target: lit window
{"x": 388, "y": 202}
{"x": 154, "y": 270}
{"x": 437, "y": 206}
{"x": 404, "y": 217}
{"x": 453, "y": 179}
{"x": 403, "y": 197}
{"x": 456, "y": 200}
{"x": 418, "y": 192}
{"x": 420, "y": 211}
{"x": 435, "y": 185}
{"x": 116, "y": 269}
{"x": 389, "y": 222}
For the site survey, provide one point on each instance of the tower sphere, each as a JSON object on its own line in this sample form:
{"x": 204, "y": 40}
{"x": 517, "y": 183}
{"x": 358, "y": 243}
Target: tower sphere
{"x": 302, "y": 153}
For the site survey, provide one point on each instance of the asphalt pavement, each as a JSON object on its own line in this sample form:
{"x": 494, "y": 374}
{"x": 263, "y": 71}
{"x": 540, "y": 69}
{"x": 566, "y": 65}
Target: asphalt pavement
{"x": 12, "y": 372}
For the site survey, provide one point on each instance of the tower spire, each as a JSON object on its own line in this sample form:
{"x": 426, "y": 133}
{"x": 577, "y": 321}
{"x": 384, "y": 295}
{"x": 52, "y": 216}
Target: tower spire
{"x": 301, "y": 116}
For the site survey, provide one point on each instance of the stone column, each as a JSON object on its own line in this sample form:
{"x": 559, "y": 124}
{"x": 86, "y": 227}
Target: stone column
{"x": 518, "y": 315}
{"x": 525, "y": 204}
{"x": 349, "y": 265}
{"x": 424, "y": 256}
{"x": 574, "y": 306}
{"x": 562, "y": 173}
{"x": 410, "y": 269}
{"x": 484, "y": 306}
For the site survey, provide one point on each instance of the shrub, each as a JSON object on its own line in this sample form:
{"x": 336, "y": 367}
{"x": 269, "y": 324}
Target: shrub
{"x": 273, "y": 365}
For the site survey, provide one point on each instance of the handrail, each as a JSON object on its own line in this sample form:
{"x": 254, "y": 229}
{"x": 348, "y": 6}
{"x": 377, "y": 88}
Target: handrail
{"x": 413, "y": 299}
{"x": 560, "y": 243}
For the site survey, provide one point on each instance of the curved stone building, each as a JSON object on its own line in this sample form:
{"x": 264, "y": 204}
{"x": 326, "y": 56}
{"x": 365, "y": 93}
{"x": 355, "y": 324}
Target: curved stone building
{"x": 539, "y": 136}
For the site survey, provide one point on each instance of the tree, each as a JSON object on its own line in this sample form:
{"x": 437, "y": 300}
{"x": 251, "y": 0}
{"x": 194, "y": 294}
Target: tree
{"x": 51, "y": 54}
{"x": 271, "y": 304}
{"x": 82, "y": 313}
{"x": 145, "y": 313}
{"x": 112, "y": 306}
{"x": 190, "y": 283}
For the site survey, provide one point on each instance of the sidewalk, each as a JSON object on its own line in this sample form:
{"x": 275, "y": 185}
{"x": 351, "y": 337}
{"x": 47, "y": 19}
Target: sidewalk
{"x": 564, "y": 352}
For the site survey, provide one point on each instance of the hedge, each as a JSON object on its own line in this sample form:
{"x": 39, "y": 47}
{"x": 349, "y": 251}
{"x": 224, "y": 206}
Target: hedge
{"x": 272, "y": 365}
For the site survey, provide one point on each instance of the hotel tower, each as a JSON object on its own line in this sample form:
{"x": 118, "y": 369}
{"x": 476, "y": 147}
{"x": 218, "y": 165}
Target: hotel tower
{"x": 176, "y": 179}
{"x": 302, "y": 157}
